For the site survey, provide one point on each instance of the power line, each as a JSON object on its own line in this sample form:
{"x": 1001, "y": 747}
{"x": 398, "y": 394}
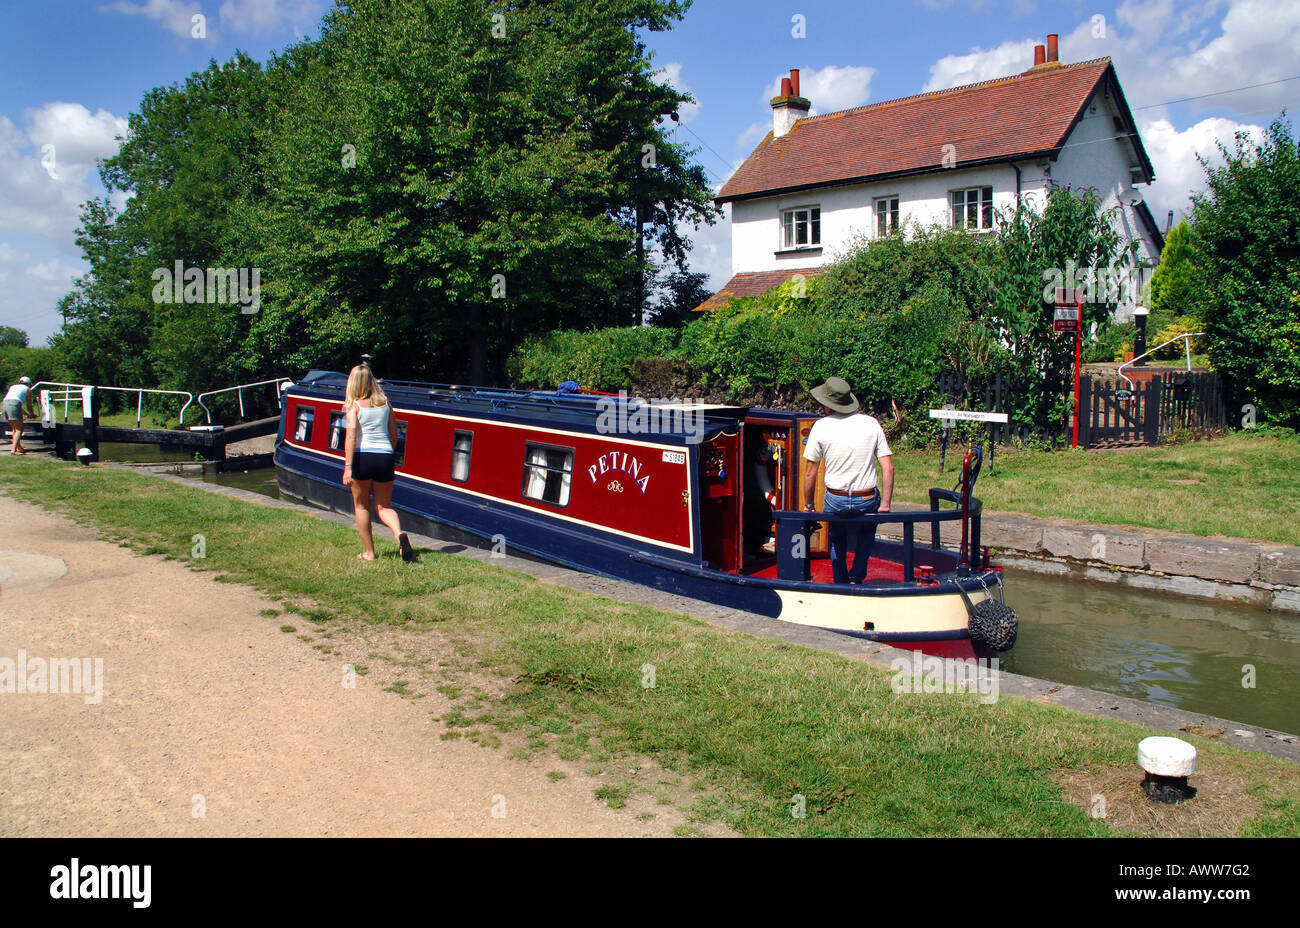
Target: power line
{"x": 706, "y": 145}
{"x": 1218, "y": 93}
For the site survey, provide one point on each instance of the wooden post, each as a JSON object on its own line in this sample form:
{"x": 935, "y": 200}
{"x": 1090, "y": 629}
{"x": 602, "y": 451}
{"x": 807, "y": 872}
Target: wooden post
{"x": 90, "y": 423}
{"x": 1078, "y": 351}
{"x": 1083, "y": 412}
{"x": 1152, "y": 410}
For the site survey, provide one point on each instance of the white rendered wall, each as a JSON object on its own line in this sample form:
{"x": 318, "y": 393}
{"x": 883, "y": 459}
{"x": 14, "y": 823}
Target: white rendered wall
{"x": 849, "y": 212}
{"x": 1096, "y": 156}
{"x": 1092, "y": 157}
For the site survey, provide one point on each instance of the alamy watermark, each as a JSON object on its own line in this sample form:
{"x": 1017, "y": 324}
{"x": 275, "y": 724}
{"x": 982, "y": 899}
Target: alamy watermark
{"x": 76, "y": 880}
{"x": 79, "y": 676}
{"x": 179, "y": 284}
{"x": 1122, "y": 285}
{"x": 634, "y": 415}
{"x": 924, "y": 673}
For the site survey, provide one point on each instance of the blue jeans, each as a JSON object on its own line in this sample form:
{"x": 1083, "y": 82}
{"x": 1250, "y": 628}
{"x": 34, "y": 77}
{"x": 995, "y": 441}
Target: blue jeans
{"x": 840, "y": 532}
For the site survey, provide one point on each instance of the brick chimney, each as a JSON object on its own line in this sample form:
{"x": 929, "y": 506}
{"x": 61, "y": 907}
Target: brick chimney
{"x": 1045, "y": 56}
{"x": 788, "y": 107}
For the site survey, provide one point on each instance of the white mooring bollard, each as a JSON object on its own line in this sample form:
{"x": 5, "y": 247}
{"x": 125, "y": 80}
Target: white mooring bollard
{"x": 1168, "y": 763}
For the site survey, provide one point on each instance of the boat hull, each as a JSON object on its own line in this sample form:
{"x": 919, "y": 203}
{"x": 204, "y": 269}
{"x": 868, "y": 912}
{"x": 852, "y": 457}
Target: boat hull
{"x": 932, "y": 619}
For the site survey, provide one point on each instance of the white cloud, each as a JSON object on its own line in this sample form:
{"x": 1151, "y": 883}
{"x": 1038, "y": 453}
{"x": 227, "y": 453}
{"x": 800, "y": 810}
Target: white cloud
{"x": 175, "y": 15}
{"x": 29, "y": 300}
{"x": 258, "y": 17}
{"x": 711, "y": 249}
{"x": 79, "y": 138}
{"x": 1167, "y": 51}
{"x": 54, "y": 271}
{"x": 831, "y": 88}
{"x": 671, "y": 74}
{"x": 1174, "y": 155}
{"x": 40, "y": 206}
{"x": 43, "y": 188}
{"x": 751, "y": 137}
{"x": 981, "y": 65}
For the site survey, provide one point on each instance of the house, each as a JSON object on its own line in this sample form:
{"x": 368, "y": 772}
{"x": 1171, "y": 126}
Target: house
{"x": 815, "y": 184}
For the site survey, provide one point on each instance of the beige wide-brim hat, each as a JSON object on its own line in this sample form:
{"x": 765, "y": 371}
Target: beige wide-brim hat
{"x": 837, "y": 395}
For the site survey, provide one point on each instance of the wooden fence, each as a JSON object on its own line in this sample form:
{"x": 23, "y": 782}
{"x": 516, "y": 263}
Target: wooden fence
{"x": 997, "y": 394}
{"x": 1114, "y": 414}
{"x": 1154, "y": 408}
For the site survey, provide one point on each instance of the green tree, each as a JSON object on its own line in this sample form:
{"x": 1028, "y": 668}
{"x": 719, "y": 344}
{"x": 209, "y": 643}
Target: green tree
{"x": 441, "y": 196}
{"x": 1034, "y": 252}
{"x": 678, "y": 293}
{"x": 1246, "y": 234}
{"x": 12, "y": 338}
{"x": 1178, "y": 284}
{"x": 192, "y": 164}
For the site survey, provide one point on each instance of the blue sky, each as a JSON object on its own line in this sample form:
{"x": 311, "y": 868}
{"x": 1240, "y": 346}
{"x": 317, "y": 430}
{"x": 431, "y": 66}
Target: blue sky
{"x": 72, "y": 71}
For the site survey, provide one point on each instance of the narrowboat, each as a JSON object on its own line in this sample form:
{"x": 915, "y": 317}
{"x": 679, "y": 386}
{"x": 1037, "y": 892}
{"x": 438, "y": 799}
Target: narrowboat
{"x": 695, "y": 499}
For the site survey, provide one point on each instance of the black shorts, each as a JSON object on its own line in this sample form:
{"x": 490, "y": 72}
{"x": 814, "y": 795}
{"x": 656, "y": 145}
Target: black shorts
{"x": 373, "y": 465}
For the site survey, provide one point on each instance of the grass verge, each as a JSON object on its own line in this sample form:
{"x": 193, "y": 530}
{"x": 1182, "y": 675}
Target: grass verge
{"x": 761, "y": 730}
{"x": 1238, "y": 486}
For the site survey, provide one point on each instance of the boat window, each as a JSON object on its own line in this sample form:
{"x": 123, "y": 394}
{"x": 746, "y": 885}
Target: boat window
{"x": 303, "y": 423}
{"x": 548, "y": 472}
{"x": 338, "y": 431}
{"x": 462, "y": 444}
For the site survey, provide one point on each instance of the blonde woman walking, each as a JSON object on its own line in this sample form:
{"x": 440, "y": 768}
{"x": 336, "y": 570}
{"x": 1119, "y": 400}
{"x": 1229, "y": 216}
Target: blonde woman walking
{"x": 368, "y": 459}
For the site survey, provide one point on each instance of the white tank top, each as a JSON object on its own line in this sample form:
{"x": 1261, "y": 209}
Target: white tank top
{"x": 372, "y": 427}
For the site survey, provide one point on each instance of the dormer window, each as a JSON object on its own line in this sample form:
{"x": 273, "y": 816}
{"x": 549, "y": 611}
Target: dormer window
{"x": 801, "y": 227}
{"x": 973, "y": 209}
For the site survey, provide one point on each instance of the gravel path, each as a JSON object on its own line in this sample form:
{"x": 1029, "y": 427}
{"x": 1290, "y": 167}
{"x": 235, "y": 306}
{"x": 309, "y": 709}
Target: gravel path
{"x": 207, "y": 707}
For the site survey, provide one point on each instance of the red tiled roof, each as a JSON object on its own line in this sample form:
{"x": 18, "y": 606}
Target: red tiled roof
{"x": 1018, "y": 116}
{"x": 752, "y": 284}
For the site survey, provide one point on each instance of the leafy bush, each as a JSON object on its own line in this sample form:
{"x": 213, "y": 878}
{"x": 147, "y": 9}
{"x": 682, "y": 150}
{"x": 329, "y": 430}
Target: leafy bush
{"x": 598, "y": 360}
{"x": 1243, "y": 231}
{"x": 888, "y": 317}
{"x": 1111, "y": 343}
{"x": 36, "y": 363}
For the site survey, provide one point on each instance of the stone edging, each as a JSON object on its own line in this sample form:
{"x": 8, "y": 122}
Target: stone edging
{"x": 1246, "y": 572}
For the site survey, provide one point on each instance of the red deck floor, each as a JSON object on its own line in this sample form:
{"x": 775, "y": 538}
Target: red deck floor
{"x": 877, "y": 569}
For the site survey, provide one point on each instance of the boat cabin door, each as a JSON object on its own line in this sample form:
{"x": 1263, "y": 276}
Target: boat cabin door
{"x": 819, "y": 543}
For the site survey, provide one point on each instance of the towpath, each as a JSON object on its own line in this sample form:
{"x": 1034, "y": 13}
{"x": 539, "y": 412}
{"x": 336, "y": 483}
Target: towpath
{"x": 214, "y": 722}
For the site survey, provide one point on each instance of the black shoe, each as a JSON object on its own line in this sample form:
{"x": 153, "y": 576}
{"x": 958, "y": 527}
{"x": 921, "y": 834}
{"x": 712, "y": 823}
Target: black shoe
{"x": 404, "y": 543}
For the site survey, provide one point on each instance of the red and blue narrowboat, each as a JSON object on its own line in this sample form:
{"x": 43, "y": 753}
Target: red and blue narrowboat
{"x": 698, "y": 500}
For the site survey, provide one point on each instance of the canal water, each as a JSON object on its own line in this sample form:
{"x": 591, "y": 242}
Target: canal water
{"x": 1230, "y": 661}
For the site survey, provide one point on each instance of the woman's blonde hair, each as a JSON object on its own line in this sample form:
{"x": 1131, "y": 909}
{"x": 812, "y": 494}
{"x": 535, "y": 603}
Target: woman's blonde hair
{"x": 363, "y": 386}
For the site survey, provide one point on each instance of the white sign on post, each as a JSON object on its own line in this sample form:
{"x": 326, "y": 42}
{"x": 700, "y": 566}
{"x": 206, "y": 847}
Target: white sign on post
{"x": 966, "y": 415}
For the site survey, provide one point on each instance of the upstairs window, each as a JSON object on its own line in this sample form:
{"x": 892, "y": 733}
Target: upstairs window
{"x": 886, "y": 216}
{"x": 802, "y": 227}
{"x": 972, "y": 208}
{"x": 548, "y": 473}
{"x": 462, "y": 444}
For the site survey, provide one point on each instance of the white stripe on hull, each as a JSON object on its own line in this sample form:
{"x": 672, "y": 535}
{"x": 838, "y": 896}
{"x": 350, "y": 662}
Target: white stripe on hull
{"x": 938, "y": 612}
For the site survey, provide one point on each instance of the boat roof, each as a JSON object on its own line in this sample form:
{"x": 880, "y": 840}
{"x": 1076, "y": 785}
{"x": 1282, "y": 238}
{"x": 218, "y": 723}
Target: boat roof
{"x": 674, "y": 417}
